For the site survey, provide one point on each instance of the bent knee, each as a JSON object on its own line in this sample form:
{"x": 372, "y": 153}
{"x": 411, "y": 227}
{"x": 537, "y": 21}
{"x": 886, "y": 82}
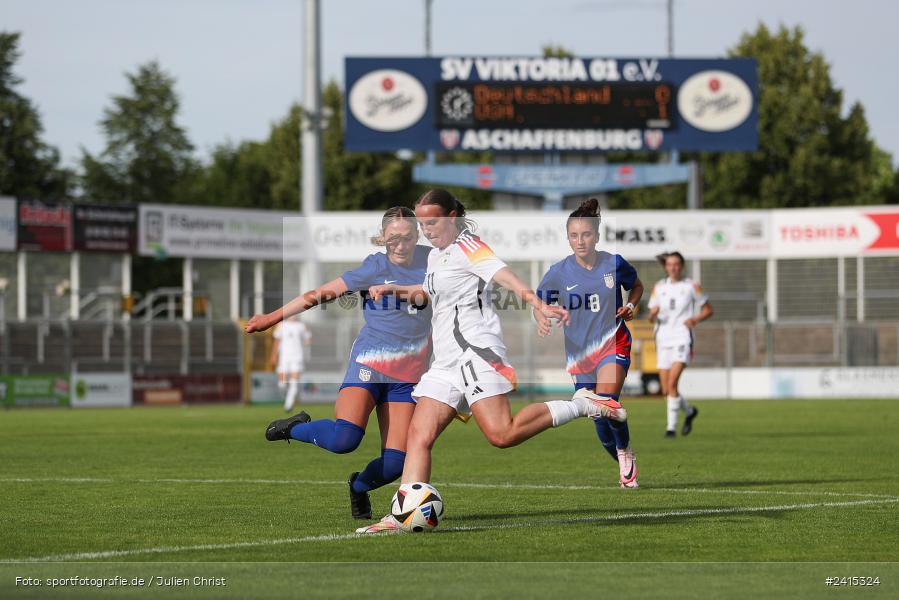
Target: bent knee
{"x": 347, "y": 437}
{"x": 345, "y": 446}
{"x": 499, "y": 439}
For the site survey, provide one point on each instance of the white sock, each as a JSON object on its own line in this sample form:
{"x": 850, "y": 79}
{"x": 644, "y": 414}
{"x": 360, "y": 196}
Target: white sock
{"x": 293, "y": 390}
{"x": 683, "y": 404}
{"x": 673, "y": 406}
{"x": 586, "y": 408}
{"x": 563, "y": 411}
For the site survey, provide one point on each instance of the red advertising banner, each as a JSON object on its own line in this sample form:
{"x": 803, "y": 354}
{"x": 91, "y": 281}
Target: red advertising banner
{"x": 198, "y": 388}
{"x": 44, "y": 226}
{"x": 888, "y": 236}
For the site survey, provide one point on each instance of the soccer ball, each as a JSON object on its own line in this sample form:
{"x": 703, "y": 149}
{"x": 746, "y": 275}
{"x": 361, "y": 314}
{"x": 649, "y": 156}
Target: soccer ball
{"x": 417, "y": 506}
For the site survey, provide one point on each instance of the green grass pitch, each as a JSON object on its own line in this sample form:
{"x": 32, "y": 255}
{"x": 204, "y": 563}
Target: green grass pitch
{"x": 764, "y": 498}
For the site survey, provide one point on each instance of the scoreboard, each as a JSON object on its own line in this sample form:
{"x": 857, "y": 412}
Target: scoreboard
{"x": 554, "y": 105}
{"x": 550, "y": 104}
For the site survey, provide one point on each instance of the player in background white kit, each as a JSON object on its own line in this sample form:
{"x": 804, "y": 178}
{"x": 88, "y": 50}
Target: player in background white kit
{"x": 673, "y": 307}
{"x": 288, "y": 357}
{"x": 470, "y": 372}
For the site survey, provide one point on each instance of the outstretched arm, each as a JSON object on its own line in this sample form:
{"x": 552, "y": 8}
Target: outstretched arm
{"x": 543, "y": 312}
{"x": 303, "y": 302}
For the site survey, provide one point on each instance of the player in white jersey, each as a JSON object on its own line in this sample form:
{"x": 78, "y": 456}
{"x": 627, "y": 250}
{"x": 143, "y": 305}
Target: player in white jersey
{"x": 288, "y": 357}
{"x": 673, "y": 308}
{"x": 470, "y": 372}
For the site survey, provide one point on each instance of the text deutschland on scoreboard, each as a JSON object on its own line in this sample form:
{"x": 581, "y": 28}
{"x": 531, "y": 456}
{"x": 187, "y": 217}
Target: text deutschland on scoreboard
{"x": 551, "y": 104}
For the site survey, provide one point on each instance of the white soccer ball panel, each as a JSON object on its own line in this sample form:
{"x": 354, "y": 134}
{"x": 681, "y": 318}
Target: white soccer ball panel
{"x": 417, "y": 506}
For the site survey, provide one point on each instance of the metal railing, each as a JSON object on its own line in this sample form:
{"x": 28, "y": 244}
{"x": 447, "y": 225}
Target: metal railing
{"x": 168, "y": 303}
{"x": 62, "y": 345}
{"x": 175, "y": 345}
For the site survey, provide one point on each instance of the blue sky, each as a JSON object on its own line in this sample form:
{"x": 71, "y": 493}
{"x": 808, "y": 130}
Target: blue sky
{"x": 238, "y": 63}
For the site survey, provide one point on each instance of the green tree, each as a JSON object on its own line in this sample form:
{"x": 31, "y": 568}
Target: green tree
{"x": 556, "y": 51}
{"x": 359, "y": 180}
{"x": 809, "y": 154}
{"x": 257, "y": 174}
{"x": 28, "y": 166}
{"x": 148, "y": 157}
{"x": 267, "y": 174}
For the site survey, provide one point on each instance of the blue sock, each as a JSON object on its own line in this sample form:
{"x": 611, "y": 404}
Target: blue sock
{"x": 381, "y": 471}
{"x": 621, "y": 433}
{"x": 337, "y": 436}
{"x": 606, "y": 436}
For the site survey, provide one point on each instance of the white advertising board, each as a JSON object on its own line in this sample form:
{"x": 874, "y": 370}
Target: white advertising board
{"x": 100, "y": 390}
{"x": 533, "y": 235}
{"x": 799, "y": 382}
{"x": 637, "y": 235}
{"x": 315, "y": 387}
{"x": 841, "y": 382}
{"x": 8, "y": 226}
{"x": 517, "y": 236}
{"x": 170, "y": 230}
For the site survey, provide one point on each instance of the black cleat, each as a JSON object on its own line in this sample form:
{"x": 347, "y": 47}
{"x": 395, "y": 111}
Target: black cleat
{"x": 688, "y": 422}
{"x": 280, "y": 429}
{"x": 670, "y": 434}
{"x": 360, "y": 505}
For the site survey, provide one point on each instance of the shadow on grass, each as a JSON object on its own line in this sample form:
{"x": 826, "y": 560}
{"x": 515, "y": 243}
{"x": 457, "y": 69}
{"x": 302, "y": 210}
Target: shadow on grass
{"x": 617, "y": 516}
{"x": 689, "y": 514}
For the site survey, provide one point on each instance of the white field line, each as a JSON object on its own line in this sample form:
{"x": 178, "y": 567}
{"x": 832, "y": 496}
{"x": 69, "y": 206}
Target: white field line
{"x": 490, "y": 486}
{"x": 107, "y": 554}
{"x": 56, "y": 480}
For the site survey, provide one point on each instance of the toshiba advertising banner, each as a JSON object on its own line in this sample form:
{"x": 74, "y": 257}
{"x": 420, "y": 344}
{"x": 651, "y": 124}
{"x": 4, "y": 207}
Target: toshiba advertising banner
{"x": 865, "y": 230}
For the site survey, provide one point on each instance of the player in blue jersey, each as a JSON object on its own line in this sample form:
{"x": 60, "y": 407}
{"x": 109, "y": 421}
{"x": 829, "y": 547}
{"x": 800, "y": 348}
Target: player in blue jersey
{"x": 597, "y": 342}
{"x": 388, "y": 358}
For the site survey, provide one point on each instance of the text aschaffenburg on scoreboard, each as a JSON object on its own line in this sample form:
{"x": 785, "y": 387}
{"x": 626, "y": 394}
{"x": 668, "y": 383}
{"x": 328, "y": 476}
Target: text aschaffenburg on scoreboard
{"x": 530, "y": 104}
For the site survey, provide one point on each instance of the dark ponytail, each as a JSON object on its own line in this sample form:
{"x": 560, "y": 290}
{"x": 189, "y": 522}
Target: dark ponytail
{"x": 589, "y": 209}
{"x": 448, "y": 203}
